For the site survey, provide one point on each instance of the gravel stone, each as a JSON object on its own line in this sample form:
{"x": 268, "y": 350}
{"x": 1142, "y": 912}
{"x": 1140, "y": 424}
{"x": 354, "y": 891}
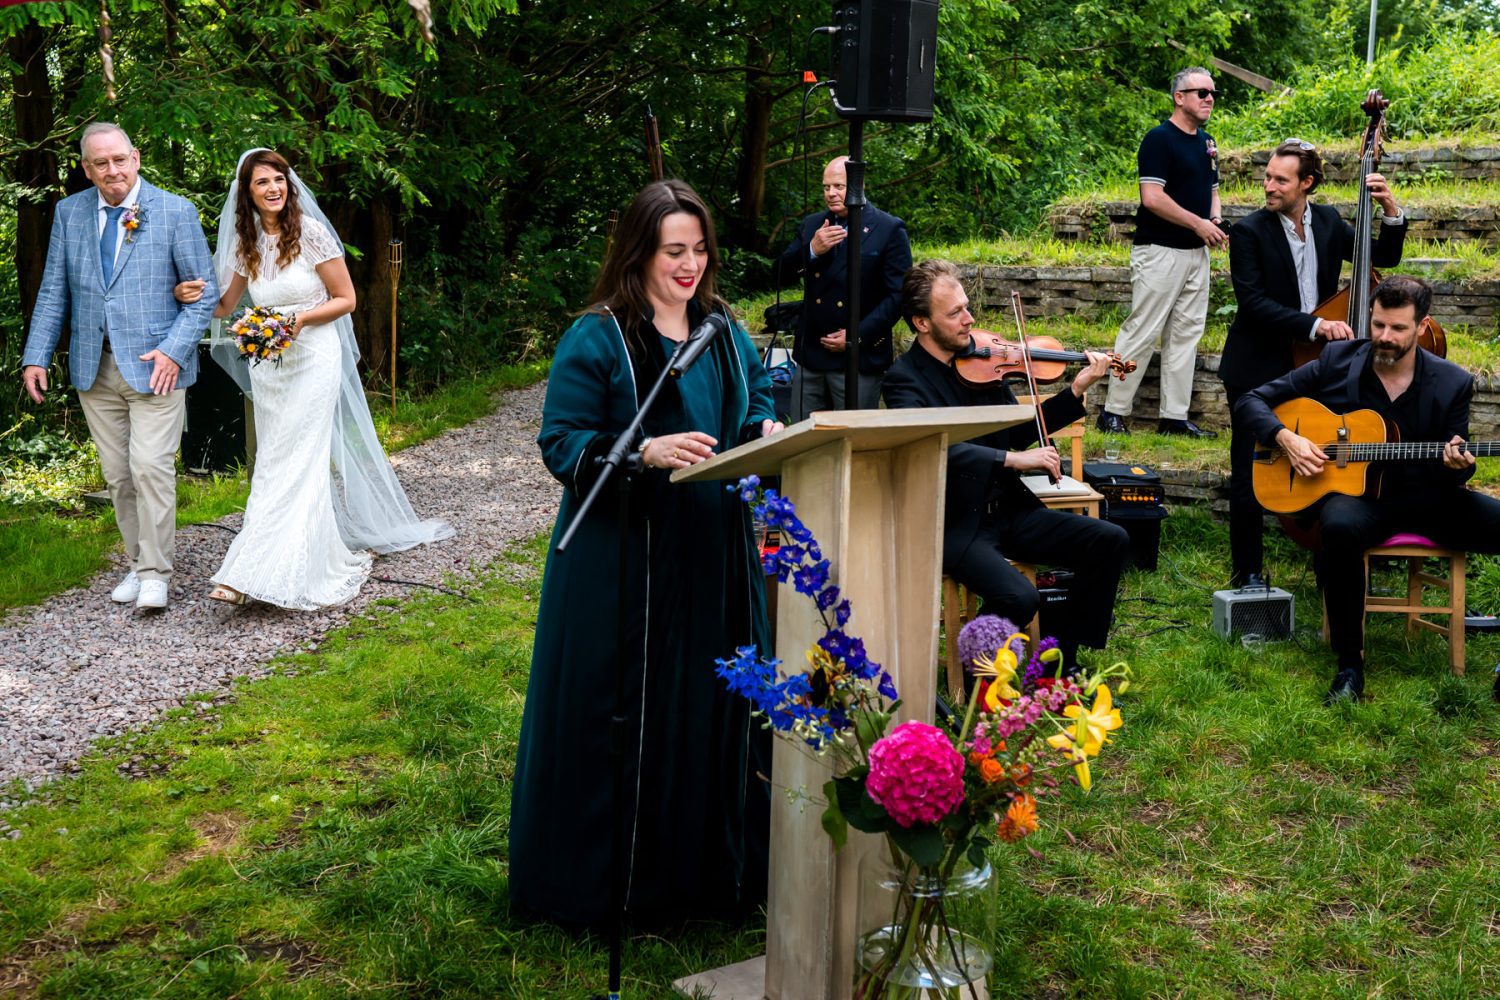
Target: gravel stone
{"x": 80, "y": 667}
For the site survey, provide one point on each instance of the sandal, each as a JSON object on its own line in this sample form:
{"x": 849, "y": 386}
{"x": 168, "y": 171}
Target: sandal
{"x": 228, "y": 595}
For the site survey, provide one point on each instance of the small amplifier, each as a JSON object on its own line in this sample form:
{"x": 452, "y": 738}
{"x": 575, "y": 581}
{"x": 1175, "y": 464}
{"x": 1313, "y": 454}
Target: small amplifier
{"x": 1268, "y": 612}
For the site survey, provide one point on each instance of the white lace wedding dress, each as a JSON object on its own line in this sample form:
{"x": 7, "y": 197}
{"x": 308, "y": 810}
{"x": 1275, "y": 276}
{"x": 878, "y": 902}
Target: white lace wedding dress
{"x": 289, "y": 551}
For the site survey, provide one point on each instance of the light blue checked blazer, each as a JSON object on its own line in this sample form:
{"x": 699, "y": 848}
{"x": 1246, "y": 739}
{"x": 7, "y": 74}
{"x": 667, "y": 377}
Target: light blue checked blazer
{"x": 168, "y": 247}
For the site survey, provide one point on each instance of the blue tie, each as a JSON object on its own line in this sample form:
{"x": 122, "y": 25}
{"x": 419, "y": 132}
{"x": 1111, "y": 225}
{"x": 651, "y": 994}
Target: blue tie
{"x": 107, "y": 241}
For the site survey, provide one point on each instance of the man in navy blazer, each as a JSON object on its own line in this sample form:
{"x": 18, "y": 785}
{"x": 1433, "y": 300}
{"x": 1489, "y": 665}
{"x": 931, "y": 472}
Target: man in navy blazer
{"x": 817, "y": 256}
{"x": 115, "y": 254}
{"x": 1283, "y": 260}
{"x": 989, "y": 515}
{"x": 1423, "y": 398}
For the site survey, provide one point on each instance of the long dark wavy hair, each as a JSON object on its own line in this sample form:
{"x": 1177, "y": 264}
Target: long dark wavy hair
{"x": 246, "y": 214}
{"x": 621, "y": 285}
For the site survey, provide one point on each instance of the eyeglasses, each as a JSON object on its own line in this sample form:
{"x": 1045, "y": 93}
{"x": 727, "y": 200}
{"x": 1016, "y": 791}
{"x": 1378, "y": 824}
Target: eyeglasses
{"x": 1301, "y": 144}
{"x": 1203, "y": 93}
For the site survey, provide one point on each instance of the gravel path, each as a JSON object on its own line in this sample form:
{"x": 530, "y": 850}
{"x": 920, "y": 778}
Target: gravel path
{"x": 80, "y": 667}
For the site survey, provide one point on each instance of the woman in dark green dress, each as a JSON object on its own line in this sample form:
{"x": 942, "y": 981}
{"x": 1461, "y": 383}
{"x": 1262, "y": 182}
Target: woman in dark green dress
{"x": 695, "y": 817}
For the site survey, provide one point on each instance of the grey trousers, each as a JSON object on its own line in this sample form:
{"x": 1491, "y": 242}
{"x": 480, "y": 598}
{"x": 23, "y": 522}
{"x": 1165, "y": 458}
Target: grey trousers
{"x": 813, "y": 391}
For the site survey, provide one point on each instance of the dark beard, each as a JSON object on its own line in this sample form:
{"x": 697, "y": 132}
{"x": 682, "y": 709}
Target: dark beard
{"x": 1389, "y": 357}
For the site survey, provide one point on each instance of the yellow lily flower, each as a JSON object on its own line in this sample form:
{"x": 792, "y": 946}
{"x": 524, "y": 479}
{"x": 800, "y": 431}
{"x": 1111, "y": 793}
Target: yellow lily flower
{"x": 1095, "y": 725}
{"x": 1001, "y": 670}
{"x": 1071, "y": 742}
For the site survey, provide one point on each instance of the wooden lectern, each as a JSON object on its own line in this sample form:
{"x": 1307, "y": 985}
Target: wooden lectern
{"x": 869, "y": 483}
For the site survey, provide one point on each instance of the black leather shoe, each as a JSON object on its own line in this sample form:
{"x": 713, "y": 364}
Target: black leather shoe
{"x": 1111, "y": 423}
{"x": 1185, "y": 427}
{"x": 1247, "y": 581}
{"x": 1348, "y": 684}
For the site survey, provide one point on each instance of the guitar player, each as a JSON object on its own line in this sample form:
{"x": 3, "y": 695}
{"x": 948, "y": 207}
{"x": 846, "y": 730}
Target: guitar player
{"x": 1422, "y": 398}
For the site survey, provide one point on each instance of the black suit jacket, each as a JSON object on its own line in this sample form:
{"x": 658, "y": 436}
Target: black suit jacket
{"x": 976, "y": 468}
{"x": 1270, "y": 318}
{"x": 1444, "y": 392}
{"x": 886, "y": 257}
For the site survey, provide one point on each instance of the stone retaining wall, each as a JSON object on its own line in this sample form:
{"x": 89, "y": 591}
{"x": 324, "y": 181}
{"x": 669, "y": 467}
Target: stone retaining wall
{"x": 1115, "y": 221}
{"x": 1210, "y": 408}
{"x": 1061, "y": 291}
{"x": 1466, "y": 162}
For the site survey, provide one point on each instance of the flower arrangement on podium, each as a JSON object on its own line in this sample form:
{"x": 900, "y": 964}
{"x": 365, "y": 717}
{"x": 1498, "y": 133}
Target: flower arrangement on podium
{"x": 262, "y": 334}
{"x": 939, "y": 796}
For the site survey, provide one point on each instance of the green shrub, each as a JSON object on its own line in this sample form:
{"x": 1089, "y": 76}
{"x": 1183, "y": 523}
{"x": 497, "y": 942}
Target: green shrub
{"x": 1449, "y": 85}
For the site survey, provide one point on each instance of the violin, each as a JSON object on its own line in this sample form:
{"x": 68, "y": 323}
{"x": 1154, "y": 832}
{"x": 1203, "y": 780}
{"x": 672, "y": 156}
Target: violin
{"x": 991, "y": 358}
{"x": 1352, "y": 302}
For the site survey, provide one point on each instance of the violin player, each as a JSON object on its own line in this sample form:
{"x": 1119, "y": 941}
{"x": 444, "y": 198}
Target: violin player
{"x": 1284, "y": 259}
{"x": 1425, "y": 399}
{"x": 990, "y": 516}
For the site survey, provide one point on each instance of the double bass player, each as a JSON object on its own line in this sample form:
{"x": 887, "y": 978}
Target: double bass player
{"x": 1284, "y": 259}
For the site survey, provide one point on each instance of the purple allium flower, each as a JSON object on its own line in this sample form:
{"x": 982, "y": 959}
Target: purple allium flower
{"x": 983, "y": 637}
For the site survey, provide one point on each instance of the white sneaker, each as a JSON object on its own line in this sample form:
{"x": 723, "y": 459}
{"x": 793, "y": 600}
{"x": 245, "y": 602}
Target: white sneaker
{"x": 153, "y": 594}
{"x": 127, "y": 590}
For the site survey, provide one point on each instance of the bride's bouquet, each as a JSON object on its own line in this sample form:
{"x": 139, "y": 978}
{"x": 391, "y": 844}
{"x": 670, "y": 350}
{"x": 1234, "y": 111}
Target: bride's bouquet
{"x": 262, "y": 334}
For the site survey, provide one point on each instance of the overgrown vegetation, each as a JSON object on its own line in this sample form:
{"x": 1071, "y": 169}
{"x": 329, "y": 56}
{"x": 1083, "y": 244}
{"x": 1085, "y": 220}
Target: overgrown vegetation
{"x": 341, "y": 828}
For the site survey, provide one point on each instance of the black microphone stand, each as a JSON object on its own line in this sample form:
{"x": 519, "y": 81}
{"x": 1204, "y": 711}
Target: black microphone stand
{"x": 618, "y": 463}
{"x": 854, "y": 203}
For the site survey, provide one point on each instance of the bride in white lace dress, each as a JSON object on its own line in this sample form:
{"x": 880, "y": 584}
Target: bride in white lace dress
{"x": 323, "y": 492}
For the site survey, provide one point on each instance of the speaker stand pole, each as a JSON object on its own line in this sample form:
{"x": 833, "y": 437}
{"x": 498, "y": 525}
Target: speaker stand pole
{"x": 854, "y": 200}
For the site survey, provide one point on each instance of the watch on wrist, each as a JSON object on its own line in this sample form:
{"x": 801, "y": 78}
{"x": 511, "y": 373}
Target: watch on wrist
{"x": 642, "y": 446}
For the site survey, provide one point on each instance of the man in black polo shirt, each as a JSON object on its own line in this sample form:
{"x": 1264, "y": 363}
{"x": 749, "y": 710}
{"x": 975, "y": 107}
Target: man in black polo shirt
{"x": 1176, "y": 224}
{"x": 1423, "y": 398}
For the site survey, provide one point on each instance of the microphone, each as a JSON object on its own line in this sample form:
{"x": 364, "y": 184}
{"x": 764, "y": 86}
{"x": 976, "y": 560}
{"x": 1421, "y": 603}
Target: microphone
{"x": 697, "y": 342}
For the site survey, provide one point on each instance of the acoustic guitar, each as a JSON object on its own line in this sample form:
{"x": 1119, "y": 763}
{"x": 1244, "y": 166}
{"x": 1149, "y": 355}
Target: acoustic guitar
{"x": 1353, "y": 441}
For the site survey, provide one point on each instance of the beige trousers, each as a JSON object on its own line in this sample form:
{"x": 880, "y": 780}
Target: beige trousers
{"x": 137, "y": 435}
{"x": 1168, "y": 302}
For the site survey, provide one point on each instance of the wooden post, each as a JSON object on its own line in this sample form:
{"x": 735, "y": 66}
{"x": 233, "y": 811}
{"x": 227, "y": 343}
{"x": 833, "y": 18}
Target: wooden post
{"x": 395, "y": 258}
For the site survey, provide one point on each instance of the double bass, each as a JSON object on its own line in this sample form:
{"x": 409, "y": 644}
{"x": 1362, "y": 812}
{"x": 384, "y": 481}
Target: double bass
{"x": 1351, "y": 304}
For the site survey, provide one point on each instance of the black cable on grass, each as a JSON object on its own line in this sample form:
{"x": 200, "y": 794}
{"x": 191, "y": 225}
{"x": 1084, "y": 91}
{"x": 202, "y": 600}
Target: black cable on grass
{"x": 430, "y": 586}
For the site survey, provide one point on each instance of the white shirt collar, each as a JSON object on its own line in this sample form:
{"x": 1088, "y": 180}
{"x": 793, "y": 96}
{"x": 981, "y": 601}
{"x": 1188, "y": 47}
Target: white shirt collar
{"x": 132, "y": 198}
{"x": 1306, "y": 219}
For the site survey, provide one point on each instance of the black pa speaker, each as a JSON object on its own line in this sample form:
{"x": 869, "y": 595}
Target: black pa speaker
{"x": 887, "y": 57}
{"x": 213, "y": 435}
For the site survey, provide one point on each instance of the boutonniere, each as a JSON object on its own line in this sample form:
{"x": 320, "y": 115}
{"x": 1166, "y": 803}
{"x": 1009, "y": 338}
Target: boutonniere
{"x": 132, "y": 220}
{"x": 1213, "y": 150}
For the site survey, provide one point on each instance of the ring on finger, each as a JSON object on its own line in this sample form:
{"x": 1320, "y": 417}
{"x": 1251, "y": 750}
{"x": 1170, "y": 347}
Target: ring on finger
{"x": 676, "y": 454}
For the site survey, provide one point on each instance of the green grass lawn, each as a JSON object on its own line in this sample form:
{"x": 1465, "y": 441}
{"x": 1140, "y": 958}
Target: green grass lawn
{"x": 47, "y": 550}
{"x": 340, "y": 829}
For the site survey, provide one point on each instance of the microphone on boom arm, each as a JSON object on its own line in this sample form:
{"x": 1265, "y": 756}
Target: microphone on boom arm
{"x": 696, "y": 343}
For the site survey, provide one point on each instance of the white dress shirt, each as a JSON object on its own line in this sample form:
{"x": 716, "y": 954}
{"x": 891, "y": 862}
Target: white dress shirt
{"x": 1305, "y": 257}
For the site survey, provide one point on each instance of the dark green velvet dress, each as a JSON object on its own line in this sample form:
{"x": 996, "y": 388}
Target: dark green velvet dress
{"x": 695, "y": 815}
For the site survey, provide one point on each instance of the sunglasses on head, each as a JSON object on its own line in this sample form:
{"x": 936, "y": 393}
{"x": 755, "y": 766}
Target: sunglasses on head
{"x": 1301, "y": 144}
{"x": 1204, "y": 93}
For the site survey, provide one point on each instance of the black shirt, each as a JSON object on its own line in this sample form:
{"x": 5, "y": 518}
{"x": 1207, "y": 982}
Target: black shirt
{"x": 1187, "y": 167}
{"x": 1408, "y": 478}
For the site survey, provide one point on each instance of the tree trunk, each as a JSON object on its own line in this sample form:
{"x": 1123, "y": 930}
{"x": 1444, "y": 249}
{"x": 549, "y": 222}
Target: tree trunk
{"x": 750, "y": 173}
{"x": 370, "y": 228}
{"x": 35, "y": 167}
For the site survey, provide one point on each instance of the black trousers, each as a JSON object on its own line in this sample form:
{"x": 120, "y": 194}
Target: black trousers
{"x": 1456, "y": 518}
{"x": 1246, "y": 518}
{"x": 1095, "y": 550}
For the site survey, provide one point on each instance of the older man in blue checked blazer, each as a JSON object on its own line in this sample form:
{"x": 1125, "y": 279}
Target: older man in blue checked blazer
{"x": 115, "y": 254}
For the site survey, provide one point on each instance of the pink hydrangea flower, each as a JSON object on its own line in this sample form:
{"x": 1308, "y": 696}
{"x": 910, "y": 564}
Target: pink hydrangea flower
{"x": 915, "y": 774}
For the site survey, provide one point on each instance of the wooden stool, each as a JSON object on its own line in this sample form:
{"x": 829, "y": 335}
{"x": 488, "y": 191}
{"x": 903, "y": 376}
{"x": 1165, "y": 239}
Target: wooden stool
{"x": 960, "y": 606}
{"x": 1416, "y": 550}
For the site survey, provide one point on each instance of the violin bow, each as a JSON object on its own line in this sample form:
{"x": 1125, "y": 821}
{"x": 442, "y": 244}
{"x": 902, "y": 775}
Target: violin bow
{"x": 1043, "y": 438}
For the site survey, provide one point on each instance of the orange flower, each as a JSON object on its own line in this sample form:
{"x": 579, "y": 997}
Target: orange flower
{"x": 1021, "y": 775}
{"x": 1020, "y": 820}
{"x": 976, "y": 759}
{"x": 991, "y": 770}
